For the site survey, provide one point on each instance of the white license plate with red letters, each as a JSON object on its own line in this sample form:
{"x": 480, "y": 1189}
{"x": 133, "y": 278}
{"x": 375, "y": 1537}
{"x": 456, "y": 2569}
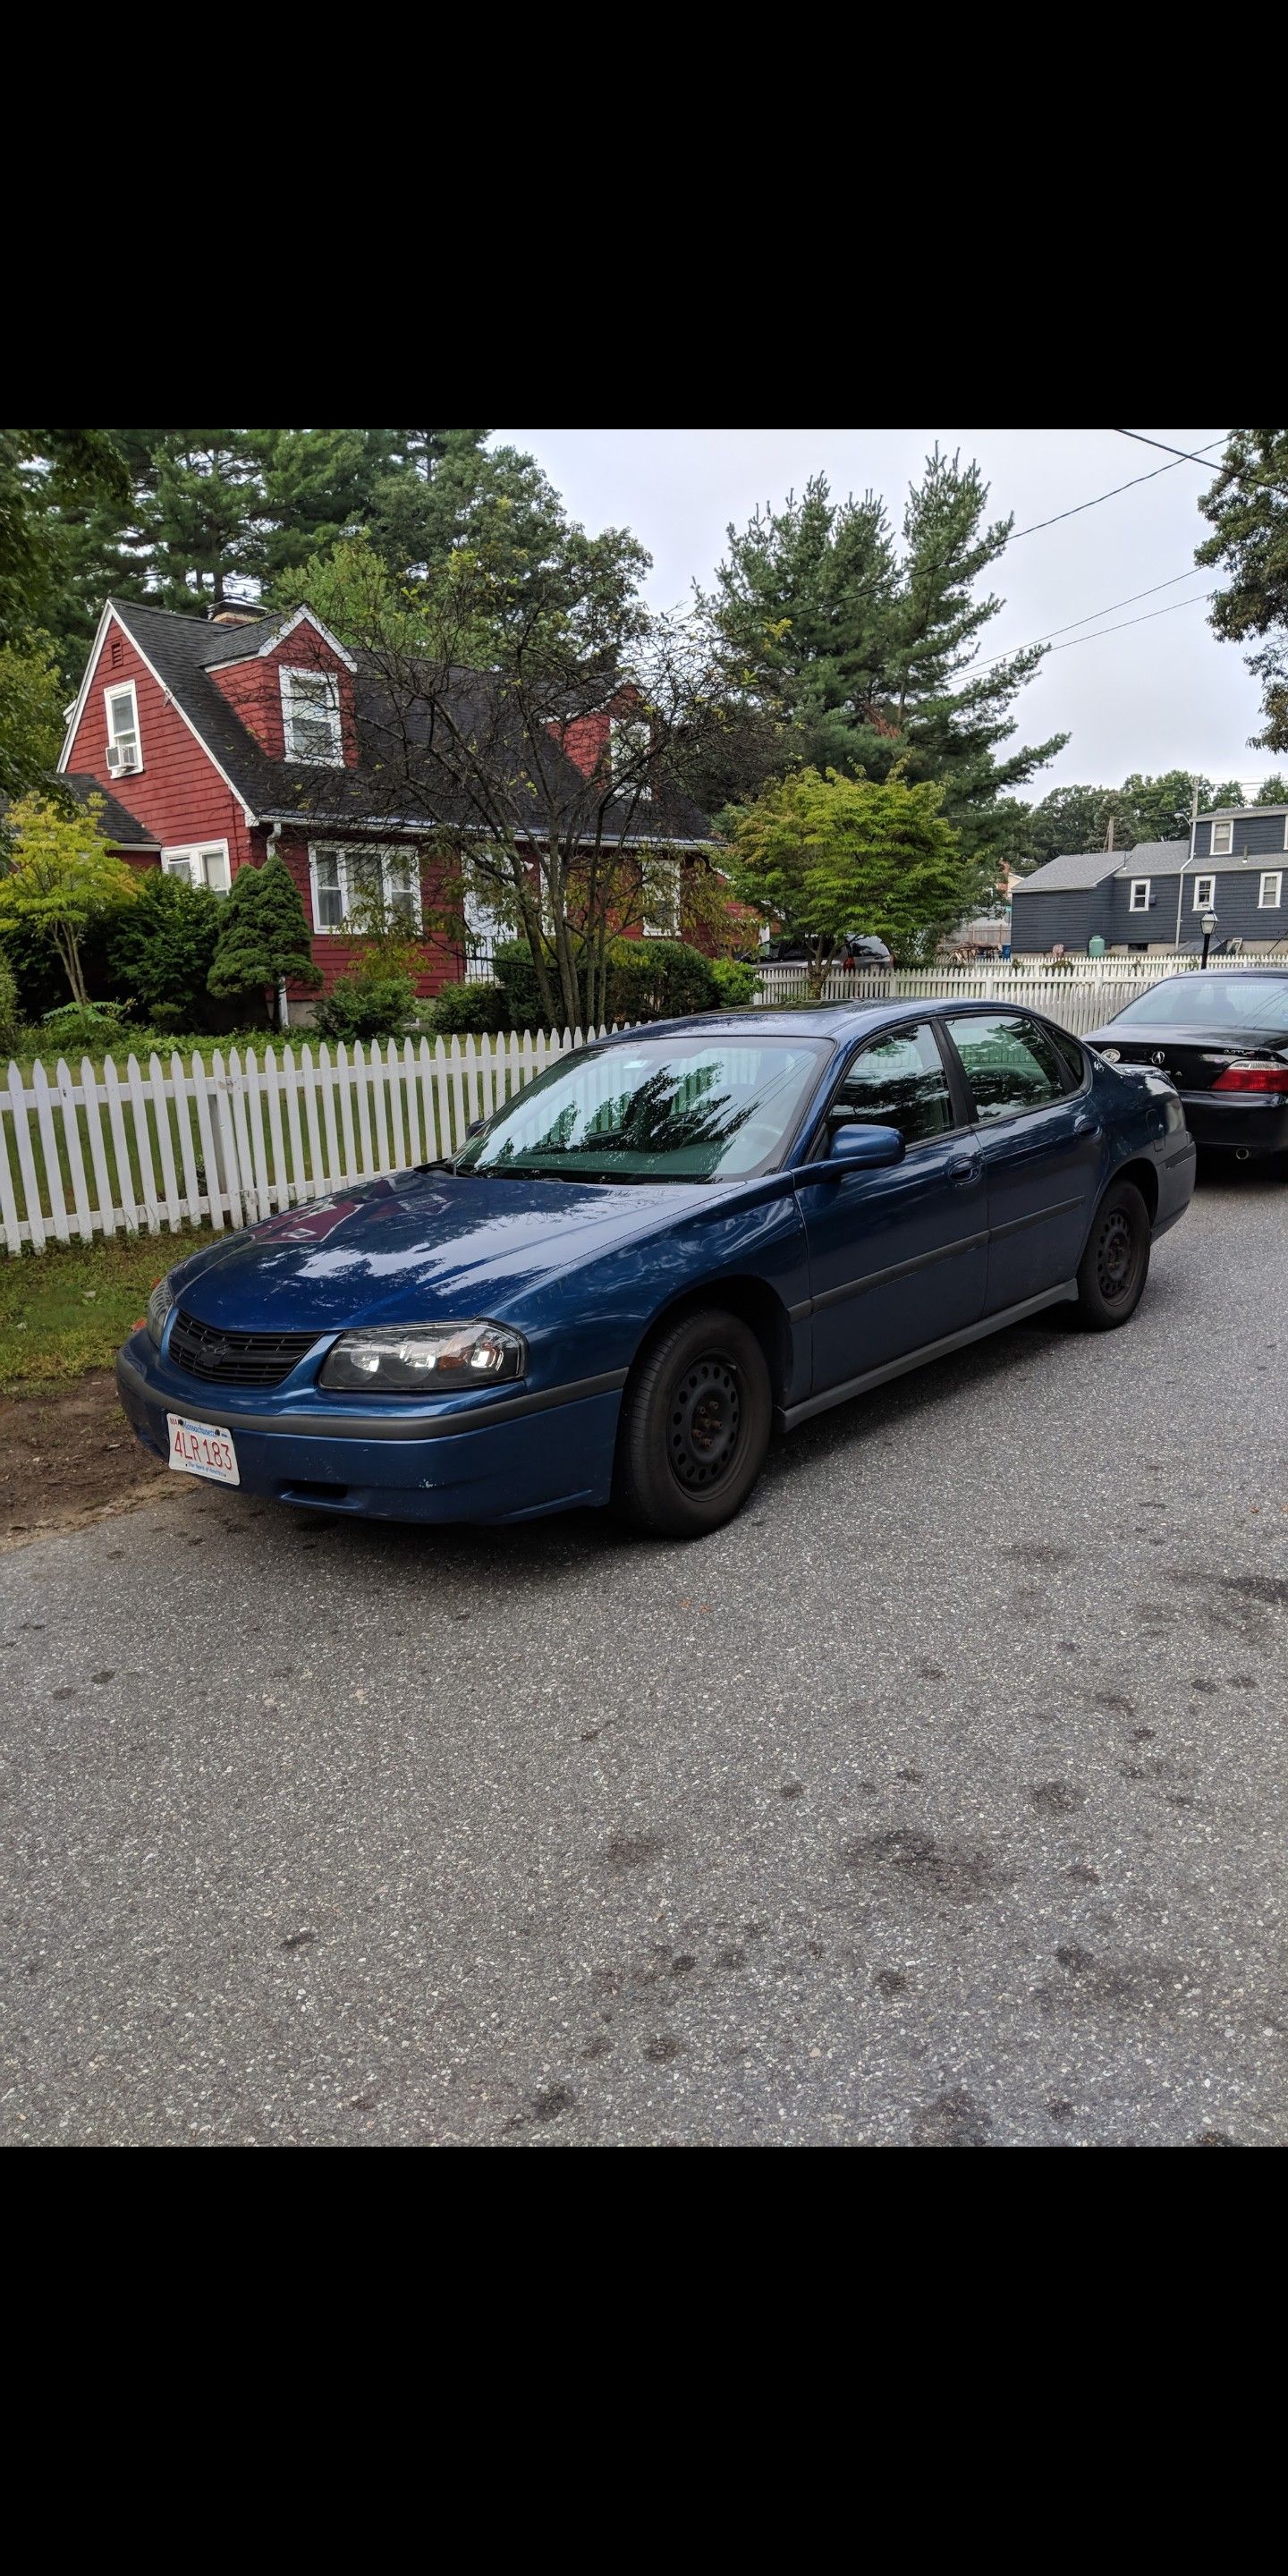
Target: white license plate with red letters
{"x": 203, "y": 1449}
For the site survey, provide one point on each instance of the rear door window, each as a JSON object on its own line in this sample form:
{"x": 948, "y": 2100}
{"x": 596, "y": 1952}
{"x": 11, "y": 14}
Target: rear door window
{"x": 1011, "y": 1063}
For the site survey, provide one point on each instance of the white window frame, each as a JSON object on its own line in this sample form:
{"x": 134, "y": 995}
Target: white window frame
{"x": 178, "y": 859}
{"x": 665, "y": 898}
{"x": 123, "y": 689}
{"x": 1223, "y": 849}
{"x": 1141, "y": 886}
{"x": 344, "y": 851}
{"x": 1271, "y": 902}
{"x": 1204, "y": 902}
{"x": 625, "y": 726}
{"x": 287, "y": 676}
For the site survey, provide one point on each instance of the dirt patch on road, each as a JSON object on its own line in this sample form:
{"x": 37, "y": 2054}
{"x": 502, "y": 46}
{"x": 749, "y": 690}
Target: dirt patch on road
{"x": 68, "y": 1458}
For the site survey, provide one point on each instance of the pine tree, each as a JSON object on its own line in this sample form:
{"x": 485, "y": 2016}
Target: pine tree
{"x": 263, "y": 935}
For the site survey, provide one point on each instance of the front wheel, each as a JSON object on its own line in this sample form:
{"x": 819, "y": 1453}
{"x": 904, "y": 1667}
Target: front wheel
{"x": 695, "y": 1426}
{"x": 1115, "y": 1265}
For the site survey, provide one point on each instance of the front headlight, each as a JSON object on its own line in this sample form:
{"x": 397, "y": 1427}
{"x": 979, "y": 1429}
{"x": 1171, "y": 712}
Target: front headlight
{"x": 1112, "y": 1055}
{"x": 159, "y": 1305}
{"x": 423, "y": 1359}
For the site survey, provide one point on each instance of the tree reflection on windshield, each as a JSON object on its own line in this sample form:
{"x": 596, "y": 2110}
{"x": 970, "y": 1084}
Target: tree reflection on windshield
{"x": 652, "y": 1112}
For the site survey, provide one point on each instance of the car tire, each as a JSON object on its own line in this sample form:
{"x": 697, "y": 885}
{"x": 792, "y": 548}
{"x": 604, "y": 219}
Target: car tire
{"x": 1115, "y": 1265}
{"x": 696, "y": 1419}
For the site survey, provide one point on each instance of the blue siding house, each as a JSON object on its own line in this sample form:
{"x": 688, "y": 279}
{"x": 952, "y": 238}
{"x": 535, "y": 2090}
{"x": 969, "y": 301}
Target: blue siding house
{"x": 1234, "y": 864}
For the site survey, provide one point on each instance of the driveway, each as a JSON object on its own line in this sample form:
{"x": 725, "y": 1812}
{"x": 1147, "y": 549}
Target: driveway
{"x": 941, "y": 1800}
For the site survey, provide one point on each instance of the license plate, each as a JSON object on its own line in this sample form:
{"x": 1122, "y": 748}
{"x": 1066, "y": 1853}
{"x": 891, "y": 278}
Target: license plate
{"x": 203, "y": 1449}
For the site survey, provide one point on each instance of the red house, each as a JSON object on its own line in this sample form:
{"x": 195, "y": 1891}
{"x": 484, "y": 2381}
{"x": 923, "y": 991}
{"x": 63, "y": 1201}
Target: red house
{"x": 219, "y": 739}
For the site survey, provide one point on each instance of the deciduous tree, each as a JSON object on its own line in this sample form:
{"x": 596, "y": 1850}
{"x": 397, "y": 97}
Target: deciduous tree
{"x": 826, "y": 855}
{"x": 61, "y": 878}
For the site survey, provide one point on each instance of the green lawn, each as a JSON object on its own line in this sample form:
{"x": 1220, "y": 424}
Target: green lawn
{"x": 66, "y": 1310}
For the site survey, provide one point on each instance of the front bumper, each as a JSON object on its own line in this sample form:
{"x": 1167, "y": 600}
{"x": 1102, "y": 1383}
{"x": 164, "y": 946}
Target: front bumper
{"x": 538, "y": 1454}
{"x": 1251, "y": 1123}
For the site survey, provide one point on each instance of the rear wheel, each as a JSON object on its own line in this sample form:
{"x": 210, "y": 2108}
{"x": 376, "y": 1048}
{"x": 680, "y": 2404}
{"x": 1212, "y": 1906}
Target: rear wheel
{"x": 1115, "y": 1265}
{"x": 695, "y": 1426}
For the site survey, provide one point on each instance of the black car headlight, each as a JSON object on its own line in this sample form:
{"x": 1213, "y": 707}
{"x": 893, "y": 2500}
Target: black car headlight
{"x": 423, "y": 1359}
{"x": 159, "y": 1305}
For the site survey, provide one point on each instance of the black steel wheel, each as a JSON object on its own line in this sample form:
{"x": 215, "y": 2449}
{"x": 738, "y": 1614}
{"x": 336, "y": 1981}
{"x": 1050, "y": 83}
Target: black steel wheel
{"x": 1115, "y": 1265}
{"x": 695, "y": 1425}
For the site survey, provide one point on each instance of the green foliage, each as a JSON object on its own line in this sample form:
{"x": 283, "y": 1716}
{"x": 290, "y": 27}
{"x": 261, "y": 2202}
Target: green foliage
{"x": 161, "y": 950}
{"x": 31, "y": 716}
{"x": 62, "y": 877}
{"x": 518, "y": 984}
{"x": 366, "y": 1006}
{"x": 1273, "y": 791}
{"x": 263, "y": 935}
{"x": 657, "y": 979}
{"x": 1247, "y": 508}
{"x": 50, "y": 479}
{"x": 8, "y": 1003}
{"x": 89, "y": 1027}
{"x": 734, "y": 982}
{"x": 869, "y": 649}
{"x": 827, "y": 855}
{"x": 468, "y": 1010}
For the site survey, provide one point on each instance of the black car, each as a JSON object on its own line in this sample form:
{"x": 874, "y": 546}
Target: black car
{"x": 858, "y": 948}
{"x": 1223, "y": 1038}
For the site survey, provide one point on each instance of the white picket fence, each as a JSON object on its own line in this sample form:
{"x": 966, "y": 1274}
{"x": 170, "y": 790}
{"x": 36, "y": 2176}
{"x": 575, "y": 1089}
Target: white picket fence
{"x": 1078, "y": 995}
{"x": 178, "y": 1145}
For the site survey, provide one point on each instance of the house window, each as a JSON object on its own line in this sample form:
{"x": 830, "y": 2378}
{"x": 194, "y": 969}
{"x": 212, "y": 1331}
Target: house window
{"x": 1222, "y": 840}
{"x": 1272, "y": 886}
{"x": 1139, "y": 901}
{"x": 662, "y": 899}
{"x": 1204, "y": 893}
{"x": 202, "y": 863}
{"x": 124, "y": 748}
{"x": 311, "y": 718}
{"x": 346, "y": 880}
{"x": 630, "y": 743}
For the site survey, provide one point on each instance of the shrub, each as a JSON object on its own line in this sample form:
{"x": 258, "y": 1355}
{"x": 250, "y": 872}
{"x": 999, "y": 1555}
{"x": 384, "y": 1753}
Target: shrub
{"x": 362, "y": 1007}
{"x": 735, "y": 983}
{"x": 160, "y": 950}
{"x": 468, "y": 1010}
{"x": 516, "y": 979}
{"x": 8, "y": 1003}
{"x": 90, "y": 1027}
{"x": 658, "y": 979}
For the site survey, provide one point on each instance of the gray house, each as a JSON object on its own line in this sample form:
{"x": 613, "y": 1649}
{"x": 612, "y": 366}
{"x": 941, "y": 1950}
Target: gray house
{"x": 1234, "y": 864}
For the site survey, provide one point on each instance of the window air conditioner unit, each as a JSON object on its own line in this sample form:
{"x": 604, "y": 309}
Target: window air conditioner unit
{"x": 121, "y": 756}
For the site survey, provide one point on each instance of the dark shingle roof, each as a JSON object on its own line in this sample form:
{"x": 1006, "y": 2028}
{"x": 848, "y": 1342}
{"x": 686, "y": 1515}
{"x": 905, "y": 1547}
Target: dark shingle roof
{"x": 122, "y": 828}
{"x": 181, "y": 650}
{"x": 1156, "y": 858}
{"x": 1078, "y": 870}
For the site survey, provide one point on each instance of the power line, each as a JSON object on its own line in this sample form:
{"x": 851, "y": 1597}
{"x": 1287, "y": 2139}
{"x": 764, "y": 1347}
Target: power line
{"x": 1135, "y": 621}
{"x": 1092, "y": 614}
{"x": 1106, "y": 496}
{"x": 1184, "y": 455}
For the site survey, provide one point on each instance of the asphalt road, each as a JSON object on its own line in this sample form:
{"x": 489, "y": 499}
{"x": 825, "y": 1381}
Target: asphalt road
{"x": 942, "y": 1800}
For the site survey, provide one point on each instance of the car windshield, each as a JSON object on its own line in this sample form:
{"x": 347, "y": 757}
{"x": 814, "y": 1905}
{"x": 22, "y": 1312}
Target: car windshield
{"x": 1211, "y": 1002}
{"x": 654, "y": 1109}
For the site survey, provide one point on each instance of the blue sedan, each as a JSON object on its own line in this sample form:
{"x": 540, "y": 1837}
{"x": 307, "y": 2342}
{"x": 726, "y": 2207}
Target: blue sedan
{"x": 667, "y": 1245}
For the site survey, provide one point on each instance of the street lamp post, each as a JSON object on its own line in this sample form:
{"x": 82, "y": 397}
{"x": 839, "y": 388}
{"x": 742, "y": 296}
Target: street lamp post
{"x": 1207, "y": 925}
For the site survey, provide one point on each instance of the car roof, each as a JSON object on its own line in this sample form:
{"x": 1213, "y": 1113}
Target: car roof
{"x": 835, "y": 1020}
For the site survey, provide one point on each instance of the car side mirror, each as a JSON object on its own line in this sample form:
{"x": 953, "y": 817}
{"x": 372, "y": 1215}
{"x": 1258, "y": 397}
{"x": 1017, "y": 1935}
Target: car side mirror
{"x": 865, "y": 1149}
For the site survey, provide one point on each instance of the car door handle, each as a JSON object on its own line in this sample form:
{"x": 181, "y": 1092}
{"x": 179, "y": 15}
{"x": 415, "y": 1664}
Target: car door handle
{"x": 963, "y": 1169}
{"x": 1086, "y": 1126}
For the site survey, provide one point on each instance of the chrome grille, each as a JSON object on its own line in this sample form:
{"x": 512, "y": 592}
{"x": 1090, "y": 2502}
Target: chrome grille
{"x": 234, "y": 1359}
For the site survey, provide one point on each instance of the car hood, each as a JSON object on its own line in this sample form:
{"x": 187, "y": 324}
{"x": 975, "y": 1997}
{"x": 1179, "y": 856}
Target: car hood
{"x": 417, "y": 1246}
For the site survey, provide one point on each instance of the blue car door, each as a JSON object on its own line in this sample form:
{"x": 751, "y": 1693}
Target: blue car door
{"x": 898, "y": 1258}
{"x": 1041, "y": 1143}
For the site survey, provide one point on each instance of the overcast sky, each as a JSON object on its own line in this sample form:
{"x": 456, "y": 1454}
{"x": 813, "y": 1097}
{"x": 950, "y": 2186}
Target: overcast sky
{"x": 1161, "y": 695}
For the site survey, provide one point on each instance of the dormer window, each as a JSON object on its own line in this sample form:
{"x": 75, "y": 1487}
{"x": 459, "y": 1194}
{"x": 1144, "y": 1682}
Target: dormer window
{"x": 124, "y": 747}
{"x": 311, "y": 718}
{"x": 1223, "y": 840}
{"x": 630, "y": 743}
